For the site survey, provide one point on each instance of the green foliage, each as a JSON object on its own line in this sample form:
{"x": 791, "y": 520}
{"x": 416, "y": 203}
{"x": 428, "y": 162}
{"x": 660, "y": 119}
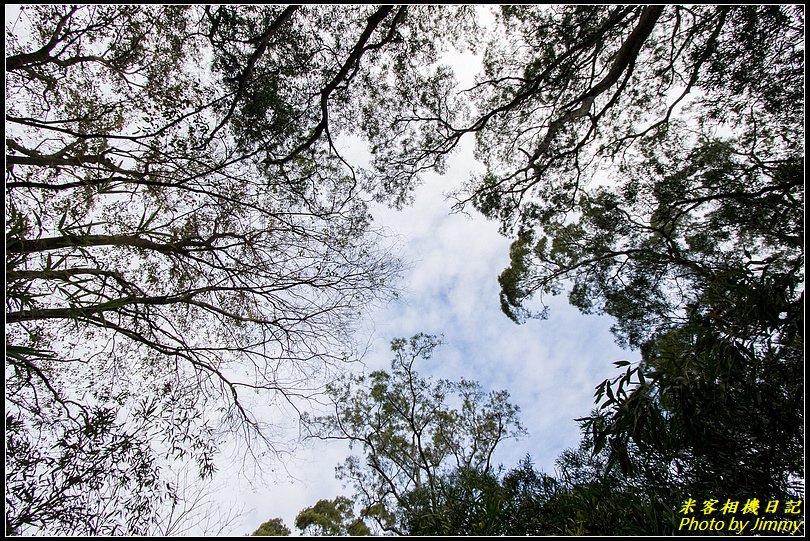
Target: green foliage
{"x": 649, "y": 160}
{"x": 512, "y": 279}
{"x": 331, "y": 517}
{"x": 695, "y": 250}
{"x": 595, "y": 499}
{"x": 686, "y": 207}
{"x": 586, "y": 498}
{"x": 690, "y": 121}
{"x": 177, "y": 209}
{"x": 715, "y": 399}
{"x": 711, "y": 408}
{"x": 467, "y": 502}
{"x": 274, "y": 526}
{"x": 472, "y": 502}
{"x": 413, "y": 433}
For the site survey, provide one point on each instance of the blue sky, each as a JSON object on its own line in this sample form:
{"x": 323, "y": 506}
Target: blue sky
{"x": 550, "y": 367}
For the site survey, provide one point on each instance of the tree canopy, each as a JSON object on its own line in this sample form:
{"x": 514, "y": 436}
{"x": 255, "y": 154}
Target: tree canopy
{"x": 331, "y": 517}
{"x": 632, "y": 151}
{"x": 413, "y": 434}
{"x": 648, "y": 160}
{"x": 189, "y": 246}
{"x": 273, "y": 527}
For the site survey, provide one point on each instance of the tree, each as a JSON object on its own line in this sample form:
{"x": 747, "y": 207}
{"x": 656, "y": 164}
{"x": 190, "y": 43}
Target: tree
{"x": 331, "y": 517}
{"x": 413, "y": 433}
{"x": 185, "y": 242}
{"x": 715, "y": 399}
{"x": 326, "y": 517}
{"x": 516, "y": 502}
{"x": 274, "y": 526}
{"x": 465, "y": 502}
{"x": 593, "y": 498}
{"x": 529, "y": 494}
{"x": 694, "y": 246}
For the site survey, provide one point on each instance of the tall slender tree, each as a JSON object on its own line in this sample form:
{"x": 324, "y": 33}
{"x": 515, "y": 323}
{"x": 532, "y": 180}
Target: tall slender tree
{"x": 413, "y": 434}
